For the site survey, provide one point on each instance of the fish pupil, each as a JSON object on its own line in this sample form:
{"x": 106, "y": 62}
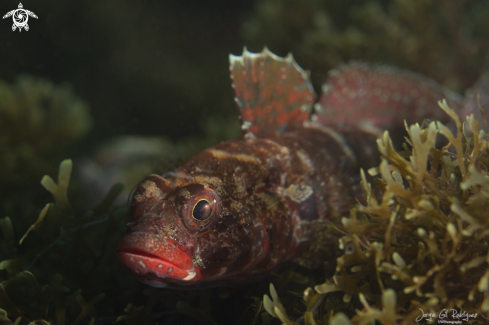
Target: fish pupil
{"x": 202, "y": 210}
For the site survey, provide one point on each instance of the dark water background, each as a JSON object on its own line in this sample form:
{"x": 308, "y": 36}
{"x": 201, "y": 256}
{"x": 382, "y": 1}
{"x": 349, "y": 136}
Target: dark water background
{"x": 138, "y": 64}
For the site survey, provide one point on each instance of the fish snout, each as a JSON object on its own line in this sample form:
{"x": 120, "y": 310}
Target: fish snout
{"x": 156, "y": 261}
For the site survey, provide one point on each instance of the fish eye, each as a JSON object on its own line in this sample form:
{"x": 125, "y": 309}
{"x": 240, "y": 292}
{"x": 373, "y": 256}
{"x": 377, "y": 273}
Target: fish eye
{"x": 202, "y": 210}
{"x": 200, "y": 207}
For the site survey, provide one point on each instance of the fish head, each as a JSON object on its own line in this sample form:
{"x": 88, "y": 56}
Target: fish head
{"x": 192, "y": 231}
{"x": 159, "y": 243}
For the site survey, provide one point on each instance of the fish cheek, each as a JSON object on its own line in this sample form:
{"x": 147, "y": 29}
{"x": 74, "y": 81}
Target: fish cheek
{"x": 224, "y": 249}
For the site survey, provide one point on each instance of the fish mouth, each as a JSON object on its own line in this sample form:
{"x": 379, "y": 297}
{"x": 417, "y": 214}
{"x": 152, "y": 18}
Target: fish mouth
{"x": 157, "y": 268}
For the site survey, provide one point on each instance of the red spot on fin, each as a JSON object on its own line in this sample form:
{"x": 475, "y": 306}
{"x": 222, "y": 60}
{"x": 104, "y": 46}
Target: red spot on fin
{"x": 273, "y": 94}
{"x": 381, "y": 96}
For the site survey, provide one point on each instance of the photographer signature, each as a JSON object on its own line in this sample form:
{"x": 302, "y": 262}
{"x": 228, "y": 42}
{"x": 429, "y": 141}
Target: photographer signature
{"x": 452, "y": 314}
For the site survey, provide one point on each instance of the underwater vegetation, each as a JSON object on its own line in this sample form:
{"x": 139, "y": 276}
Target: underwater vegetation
{"x": 60, "y": 237}
{"x": 138, "y": 64}
{"x": 64, "y": 271}
{"x": 40, "y": 123}
{"x": 60, "y": 268}
{"x": 419, "y": 242}
{"x": 69, "y": 275}
{"x": 38, "y": 120}
{"x": 445, "y": 40}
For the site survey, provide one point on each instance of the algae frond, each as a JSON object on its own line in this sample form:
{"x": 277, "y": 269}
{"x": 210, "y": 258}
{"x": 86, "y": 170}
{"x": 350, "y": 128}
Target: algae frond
{"x": 22, "y": 298}
{"x": 419, "y": 242}
{"x": 38, "y": 119}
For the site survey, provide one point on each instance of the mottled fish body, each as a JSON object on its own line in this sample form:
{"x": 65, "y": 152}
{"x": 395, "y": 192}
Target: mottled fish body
{"x": 238, "y": 209}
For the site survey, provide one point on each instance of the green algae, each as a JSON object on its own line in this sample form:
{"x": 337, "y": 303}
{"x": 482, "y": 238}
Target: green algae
{"x": 38, "y": 120}
{"x": 444, "y": 40}
{"x": 71, "y": 265}
{"x": 22, "y": 297}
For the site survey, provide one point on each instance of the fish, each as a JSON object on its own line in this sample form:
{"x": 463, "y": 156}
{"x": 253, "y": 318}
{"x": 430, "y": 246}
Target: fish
{"x": 244, "y": 207}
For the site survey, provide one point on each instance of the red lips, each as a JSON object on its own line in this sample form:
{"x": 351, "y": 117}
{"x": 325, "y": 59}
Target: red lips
{"x": 155, "y": 262}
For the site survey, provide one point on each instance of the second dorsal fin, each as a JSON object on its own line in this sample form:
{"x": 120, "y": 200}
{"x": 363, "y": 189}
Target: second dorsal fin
{"x": 273, "y": 94}
{"x": 381, "y": 96}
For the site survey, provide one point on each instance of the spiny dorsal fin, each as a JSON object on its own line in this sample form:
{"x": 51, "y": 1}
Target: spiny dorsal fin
{"x": 273, "y": 94}
{"x": 381, "y": 96}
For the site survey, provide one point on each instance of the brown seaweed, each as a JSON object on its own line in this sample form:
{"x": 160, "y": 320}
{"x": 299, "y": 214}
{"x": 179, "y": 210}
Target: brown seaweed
{"x": 420, "y": 240}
